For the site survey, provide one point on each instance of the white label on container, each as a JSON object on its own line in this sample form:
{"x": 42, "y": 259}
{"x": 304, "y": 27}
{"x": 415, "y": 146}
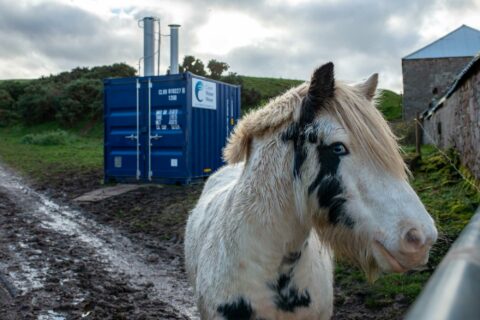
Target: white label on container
{"x": 117, "y": 162}
{"x": 171, "y": 91}
{"x": 173, "y": 162}
{"x": 204, "y": 94}
{"x": 158, "y": 119}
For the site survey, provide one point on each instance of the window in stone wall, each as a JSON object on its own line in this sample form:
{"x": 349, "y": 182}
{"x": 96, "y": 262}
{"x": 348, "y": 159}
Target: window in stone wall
{"x": 439, "y": 128}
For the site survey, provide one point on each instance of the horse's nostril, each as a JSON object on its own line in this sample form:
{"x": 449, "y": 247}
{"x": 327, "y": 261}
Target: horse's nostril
{"x": 413, "y": 240}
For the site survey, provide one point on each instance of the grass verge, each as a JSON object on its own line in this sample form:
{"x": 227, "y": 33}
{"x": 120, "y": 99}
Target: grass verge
{"x": 41, "y": 160}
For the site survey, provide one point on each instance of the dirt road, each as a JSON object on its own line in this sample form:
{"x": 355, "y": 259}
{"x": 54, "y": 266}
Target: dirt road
{"x": 58, "y": 263}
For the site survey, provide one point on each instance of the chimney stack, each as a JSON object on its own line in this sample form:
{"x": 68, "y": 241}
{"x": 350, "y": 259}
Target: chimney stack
{"x": 148, "y": 46}
{"x": 174, "y": 48}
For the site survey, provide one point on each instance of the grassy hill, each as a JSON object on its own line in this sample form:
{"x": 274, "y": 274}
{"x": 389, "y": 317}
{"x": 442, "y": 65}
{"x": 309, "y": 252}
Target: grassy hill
{"x": 390, "y": 103}
{"x": 269, "y": 87}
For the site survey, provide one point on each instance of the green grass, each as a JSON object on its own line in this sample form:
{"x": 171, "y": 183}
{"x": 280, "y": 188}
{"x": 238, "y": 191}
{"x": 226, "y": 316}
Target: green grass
{"x": 49, "y": 138}
{"x": 84, "y": 152}
{"x": 390, "y": 104}
{"x": 269, "y": 87}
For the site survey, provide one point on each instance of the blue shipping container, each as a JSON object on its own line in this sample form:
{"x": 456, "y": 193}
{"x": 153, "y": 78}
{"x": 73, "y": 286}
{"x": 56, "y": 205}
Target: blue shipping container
{"x": 166, "y": 129}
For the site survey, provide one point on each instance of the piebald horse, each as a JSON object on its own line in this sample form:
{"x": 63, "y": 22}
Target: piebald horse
{"x": 317, "y": 171}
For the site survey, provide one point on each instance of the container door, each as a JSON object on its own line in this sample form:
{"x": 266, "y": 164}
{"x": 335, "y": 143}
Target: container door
{"x": 167, "y": 121}
{"x": 123, "y": 150}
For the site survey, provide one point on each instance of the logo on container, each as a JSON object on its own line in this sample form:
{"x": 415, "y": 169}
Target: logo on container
{"x": 199, "y": 91}
{"x": 204, "y": 94}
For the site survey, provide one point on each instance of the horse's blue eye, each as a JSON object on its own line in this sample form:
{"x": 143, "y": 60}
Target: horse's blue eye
{"x": 339, "y": 149}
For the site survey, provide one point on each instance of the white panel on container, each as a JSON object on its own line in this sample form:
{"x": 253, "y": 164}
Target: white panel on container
{"x": 117, "y": 162}
{"x": 173, "y": 162}
{"x": 204, "y": 94}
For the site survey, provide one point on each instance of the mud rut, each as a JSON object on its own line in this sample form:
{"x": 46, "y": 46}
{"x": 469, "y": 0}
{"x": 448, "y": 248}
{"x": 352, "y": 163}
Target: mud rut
{"x": 55, "y": 263}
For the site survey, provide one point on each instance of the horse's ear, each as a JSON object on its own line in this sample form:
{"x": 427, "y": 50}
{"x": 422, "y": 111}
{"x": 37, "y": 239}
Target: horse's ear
{"x": 369, "y": 87}
{"x": 322, "y": 85}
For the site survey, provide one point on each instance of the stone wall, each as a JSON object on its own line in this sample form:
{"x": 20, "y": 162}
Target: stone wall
{"x": 421, "y": 76}
{"x": 457, "y": 123}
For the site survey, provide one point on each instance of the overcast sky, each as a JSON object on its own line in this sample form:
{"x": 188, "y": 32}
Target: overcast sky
{"x": 271, "y": 38}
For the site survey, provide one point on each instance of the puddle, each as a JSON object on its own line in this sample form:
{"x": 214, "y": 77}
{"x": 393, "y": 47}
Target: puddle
{"x": 51, "y": 315}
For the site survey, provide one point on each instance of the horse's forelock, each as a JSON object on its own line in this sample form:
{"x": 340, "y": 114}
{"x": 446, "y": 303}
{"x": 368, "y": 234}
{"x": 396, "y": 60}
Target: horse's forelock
{"x": 368, "y": 130}
{"x": 278, "y": 112}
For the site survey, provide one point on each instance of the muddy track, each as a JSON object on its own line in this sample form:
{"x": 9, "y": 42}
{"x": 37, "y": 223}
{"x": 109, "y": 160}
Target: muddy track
{"x": 55, "y": 263}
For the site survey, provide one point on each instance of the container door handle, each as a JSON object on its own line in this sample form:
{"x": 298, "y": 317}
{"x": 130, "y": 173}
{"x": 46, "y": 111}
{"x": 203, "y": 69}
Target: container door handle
{"x": 131, "y": 137}
{"x": 156, "y": 137}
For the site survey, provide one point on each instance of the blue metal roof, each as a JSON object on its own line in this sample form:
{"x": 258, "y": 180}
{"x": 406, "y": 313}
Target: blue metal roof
{"x": 461, "y": 42}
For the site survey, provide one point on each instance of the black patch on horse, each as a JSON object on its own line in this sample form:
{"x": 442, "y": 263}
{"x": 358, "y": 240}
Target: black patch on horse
{"x": 287, "y": 295}
{"x": 329, "y": 187}
{"x": 240, "y": 309}
{"x": 292, "y": 258}
{"x": 322, "y": 87}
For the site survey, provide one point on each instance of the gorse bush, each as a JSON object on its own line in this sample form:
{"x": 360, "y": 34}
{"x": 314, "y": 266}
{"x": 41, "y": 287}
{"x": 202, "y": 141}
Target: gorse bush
{"x": 49, "y": 138}
{"x": 7, "y": 113}
{"x": 68, "y": 97}
{"x": 80, "y": 99}
{"x": 37, "y": 103}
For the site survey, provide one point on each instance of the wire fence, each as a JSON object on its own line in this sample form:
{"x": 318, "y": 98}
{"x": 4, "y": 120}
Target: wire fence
{"x": 451, "y": 162}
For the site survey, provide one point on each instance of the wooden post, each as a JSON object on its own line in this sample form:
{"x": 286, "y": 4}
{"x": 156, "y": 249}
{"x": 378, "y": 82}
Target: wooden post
{"x": 418, "y": 135}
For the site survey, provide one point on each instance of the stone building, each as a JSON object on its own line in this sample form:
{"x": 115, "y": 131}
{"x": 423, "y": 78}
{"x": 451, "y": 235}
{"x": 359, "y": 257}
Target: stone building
{"x": 428, "y": 71}
{"x": 454, "y": 120}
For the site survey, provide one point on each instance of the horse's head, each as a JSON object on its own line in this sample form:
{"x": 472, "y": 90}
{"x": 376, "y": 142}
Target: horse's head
{"x": 348, "y": 166}
{"x": 348, "y": 176}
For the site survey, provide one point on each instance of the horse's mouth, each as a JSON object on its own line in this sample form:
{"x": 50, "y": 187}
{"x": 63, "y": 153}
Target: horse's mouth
{"x": 394, "y": 264}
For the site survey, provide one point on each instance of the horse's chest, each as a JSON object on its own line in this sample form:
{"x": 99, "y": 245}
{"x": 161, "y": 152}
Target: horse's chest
{"x": 294, "y": 293}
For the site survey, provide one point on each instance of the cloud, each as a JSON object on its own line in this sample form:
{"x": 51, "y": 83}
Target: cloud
{"x": 288, "y": 39}
{"x": 60, "y": 37}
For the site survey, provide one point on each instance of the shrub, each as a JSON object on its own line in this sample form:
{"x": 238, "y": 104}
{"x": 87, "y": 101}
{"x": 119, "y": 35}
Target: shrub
{"x": 15, "y": 87}
{"x": 37, "y": 104}
{"x": 81, "y": 99}
{"x": 251, "y": 98}
{"x": 49, "y": 138}
{"x": 116, "y": 70}
{"x": 7, "y": 113}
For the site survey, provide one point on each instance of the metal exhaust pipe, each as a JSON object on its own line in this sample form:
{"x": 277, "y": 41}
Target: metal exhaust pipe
{"x": 149, "y": 46}
{"x": 174, "y": 48}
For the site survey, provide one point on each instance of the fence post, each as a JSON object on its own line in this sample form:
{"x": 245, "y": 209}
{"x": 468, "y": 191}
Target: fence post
{"x": 418, "y": 135}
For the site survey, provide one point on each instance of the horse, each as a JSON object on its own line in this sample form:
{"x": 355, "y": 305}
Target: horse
{"x": 315, "y": 172}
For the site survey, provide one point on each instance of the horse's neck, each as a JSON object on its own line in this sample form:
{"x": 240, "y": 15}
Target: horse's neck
{"x": 268, "y": 200}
